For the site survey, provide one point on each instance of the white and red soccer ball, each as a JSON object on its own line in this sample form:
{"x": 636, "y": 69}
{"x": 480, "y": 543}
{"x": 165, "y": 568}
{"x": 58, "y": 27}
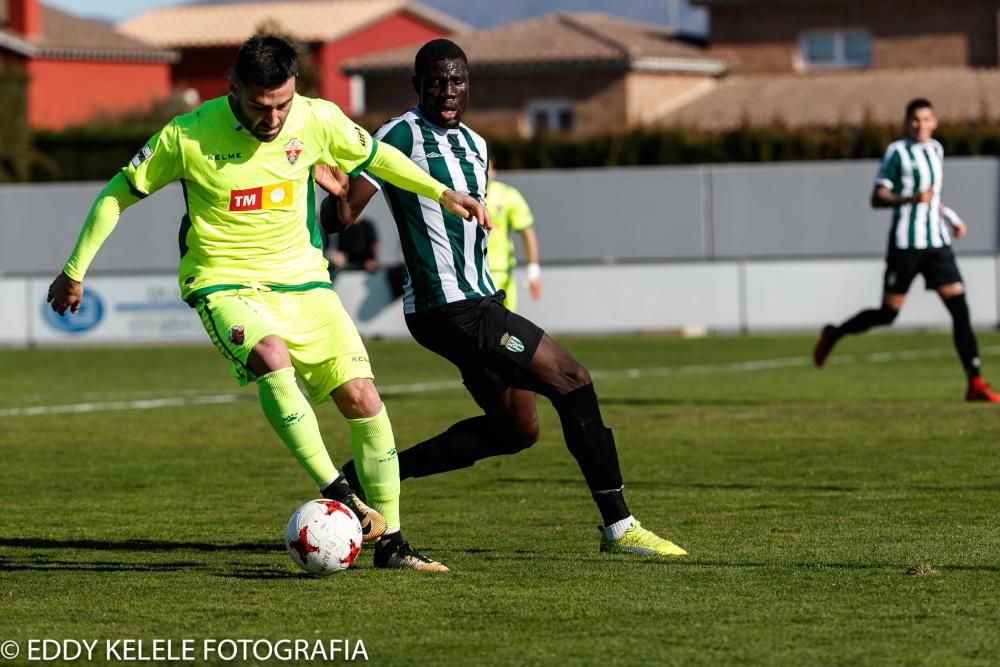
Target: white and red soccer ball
{"x": 323, "y": 537}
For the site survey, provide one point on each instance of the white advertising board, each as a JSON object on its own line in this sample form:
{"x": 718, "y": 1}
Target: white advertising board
{"x": 135, "y": 309}
{"x": 13, "y": 321}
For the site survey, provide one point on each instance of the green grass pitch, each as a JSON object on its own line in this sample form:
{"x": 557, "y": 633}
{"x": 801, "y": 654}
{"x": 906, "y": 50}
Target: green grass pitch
{"x": 839, "y": 517}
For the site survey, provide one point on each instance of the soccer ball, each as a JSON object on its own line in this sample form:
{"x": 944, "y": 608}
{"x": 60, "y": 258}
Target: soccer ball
{"x": 323, "y": 537}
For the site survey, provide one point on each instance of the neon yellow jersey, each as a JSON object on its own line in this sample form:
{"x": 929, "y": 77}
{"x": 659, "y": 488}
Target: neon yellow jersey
{"x": 251, "y": 206}
{"x": 509, "y": 213}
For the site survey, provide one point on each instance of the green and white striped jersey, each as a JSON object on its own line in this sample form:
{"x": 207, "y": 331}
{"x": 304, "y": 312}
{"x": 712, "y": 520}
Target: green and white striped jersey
{"x": 445, "y": 255}
{"x": 908, "y": 168}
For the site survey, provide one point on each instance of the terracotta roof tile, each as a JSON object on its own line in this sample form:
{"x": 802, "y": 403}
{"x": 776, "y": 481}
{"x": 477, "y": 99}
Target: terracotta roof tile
{"x": 831, "y": 98}
{"x": 67, "y": 36}
{"x": 561, "y": 39}
{"x": 306, "y": 20}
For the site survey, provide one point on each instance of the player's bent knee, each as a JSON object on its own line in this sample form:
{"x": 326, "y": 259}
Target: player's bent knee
{"x": 358, "y": 399}
{"x": 269, "y": 355}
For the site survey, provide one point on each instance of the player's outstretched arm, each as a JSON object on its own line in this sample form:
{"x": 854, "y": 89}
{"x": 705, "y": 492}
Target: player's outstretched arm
{"x": 393, "y": 166}
{"x": 66, "y": 291}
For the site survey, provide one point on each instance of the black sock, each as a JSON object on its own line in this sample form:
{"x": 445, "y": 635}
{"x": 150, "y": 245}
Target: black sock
{"x": 459, "y": 447}
{"x": 867, "y": 319}
{"x": 965, "y": 338}
{"x": 338, "y": 489}
{"x": 593, "y": 447}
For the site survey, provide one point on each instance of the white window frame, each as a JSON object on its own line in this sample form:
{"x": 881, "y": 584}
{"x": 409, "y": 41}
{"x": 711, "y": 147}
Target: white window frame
{"x": 551, "y": 108}
{"x": 839, "y": 49}
{"x": 357, "y": 92}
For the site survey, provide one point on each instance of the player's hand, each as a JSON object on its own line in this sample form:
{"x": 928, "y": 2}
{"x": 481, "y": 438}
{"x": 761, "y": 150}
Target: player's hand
{"x": 536, "y": 288}
{"x": 466, "y": 208}
{"x": 959, "y": 229}
{"x": 923, "y": 197}
{"x": 64, "y": 292}
{"x": 331, "y": 179}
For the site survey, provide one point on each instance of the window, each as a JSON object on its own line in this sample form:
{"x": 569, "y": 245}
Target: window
{"x": 836, "y": 48}
{"x": 549, "y": 117}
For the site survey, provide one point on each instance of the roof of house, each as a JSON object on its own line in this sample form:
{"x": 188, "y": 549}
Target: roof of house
{"x": 715, "y": 3}
{"x": 564, "y": 40}
{"x": 835, "y": 97}
{"x": 305, "y": 20}
{"x": 67, "y": 36}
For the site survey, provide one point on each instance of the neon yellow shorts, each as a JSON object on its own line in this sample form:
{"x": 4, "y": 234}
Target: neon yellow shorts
{"x": 505, "y": 282}
{"x": 322, "y": 341}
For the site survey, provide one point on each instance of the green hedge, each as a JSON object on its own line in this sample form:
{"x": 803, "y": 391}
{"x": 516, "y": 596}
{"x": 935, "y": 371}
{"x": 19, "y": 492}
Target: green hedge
{"x": 95, "y": 153}
{"x": 15, "y": 139}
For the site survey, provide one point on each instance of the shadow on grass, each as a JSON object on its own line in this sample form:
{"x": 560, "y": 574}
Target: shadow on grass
{"x": 642, "y": 560}
{"x": 138, "y": 545}
{"x": 732, "y": 486}
{"x": 44, "y": 565}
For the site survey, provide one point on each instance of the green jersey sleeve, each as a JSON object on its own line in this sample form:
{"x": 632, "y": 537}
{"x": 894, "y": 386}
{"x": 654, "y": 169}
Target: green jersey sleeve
{"x": 157, "y": 163}
{"x": 889, "y": 170}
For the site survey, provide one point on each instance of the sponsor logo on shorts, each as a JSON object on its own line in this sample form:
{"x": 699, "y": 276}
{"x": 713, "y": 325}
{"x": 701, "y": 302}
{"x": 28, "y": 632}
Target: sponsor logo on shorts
{"x": 359, "y": 359}
{"x": 292, "y": 150}
{"x": 237, "y": 334}
{"x": 389, "y": 456}
{"x": 275, "y": 195}
{"x": 512, "y": 343}
{"x": 144, "y": 154}
{"x": 890, "y": 279}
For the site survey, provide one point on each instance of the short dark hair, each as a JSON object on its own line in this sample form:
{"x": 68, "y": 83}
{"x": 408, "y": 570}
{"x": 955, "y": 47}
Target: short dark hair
{"x": 266, "y": 61}
{"x": 918, "y": 103}
{"x": 435, "y": 50}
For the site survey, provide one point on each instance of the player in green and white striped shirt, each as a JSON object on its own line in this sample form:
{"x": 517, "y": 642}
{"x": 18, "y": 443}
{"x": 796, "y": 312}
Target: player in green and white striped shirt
{"x": 909, "y": 182}
{"x": 453, "y": 308}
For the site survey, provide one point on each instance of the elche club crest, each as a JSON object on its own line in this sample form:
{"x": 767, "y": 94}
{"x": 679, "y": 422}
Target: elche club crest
{"x": 292, "y": 150}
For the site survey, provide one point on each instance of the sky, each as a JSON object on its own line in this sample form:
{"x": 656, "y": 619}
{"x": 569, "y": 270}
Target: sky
{"x": 478, "y": 13}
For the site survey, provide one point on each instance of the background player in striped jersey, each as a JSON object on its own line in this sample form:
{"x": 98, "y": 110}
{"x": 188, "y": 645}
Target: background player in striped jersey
{"x": 452, "y": 308}
{"x": 252, "y": 264}
{"x": 909, "y": 182}
{"x": 510, "y": 213}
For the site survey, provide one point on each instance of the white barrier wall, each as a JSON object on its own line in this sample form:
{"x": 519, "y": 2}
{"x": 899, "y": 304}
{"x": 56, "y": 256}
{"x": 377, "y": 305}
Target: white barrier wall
{"x": 14, "y": 309}
{"x": 119, "y": 310}
{"x": 717, "y": 296}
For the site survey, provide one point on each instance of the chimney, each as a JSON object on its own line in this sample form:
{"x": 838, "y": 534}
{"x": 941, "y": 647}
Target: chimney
{"x": 25, "y": 17}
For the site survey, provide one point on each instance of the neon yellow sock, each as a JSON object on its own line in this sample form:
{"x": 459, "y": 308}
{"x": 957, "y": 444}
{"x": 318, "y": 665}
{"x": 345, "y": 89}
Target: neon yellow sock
{"x": 293, "y": 419}
{"x": 374, "y": 451}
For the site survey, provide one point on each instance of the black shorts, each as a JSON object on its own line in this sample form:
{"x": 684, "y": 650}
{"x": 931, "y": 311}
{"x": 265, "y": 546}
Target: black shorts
{"x": 490, "y": 345}
{"x": 936, "y": 265}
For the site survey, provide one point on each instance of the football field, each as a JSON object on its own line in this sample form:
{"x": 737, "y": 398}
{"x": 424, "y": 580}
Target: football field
{"x": 839, "y": 517}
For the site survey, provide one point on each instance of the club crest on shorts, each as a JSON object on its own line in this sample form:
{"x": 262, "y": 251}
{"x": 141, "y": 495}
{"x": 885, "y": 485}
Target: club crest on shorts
{"x": 292, "y": 150}
{"x": 237, "y": 334}
{"x": 512, "y": 343}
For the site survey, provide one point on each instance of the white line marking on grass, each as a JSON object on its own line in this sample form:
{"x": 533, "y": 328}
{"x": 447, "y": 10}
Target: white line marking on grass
{"x": 190, "y": 399}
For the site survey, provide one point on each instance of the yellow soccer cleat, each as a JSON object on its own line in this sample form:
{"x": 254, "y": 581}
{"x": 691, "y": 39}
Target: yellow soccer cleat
{"x": 638, "y": 540}
{"x": 395, "y": 553}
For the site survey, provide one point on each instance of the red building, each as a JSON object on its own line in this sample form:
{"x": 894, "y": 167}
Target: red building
{"x": 208, "y": 36}
{"x": 79, "y": 69}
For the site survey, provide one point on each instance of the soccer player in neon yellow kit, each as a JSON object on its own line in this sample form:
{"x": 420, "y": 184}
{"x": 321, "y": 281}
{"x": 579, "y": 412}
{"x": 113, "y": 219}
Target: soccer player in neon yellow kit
{"x": 510, "y": 213}
{"x": 252, "y": 264}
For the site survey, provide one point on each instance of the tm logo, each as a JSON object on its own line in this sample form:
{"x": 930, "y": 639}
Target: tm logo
{"x": 89, "y": 316}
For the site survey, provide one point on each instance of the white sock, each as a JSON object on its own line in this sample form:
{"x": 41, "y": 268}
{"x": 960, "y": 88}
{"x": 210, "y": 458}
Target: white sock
{"x": 391, "y": 531}
{"x": 618, "y": 528}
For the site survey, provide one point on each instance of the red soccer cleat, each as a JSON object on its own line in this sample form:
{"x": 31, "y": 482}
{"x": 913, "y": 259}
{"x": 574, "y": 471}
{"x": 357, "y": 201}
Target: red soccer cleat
{"x": 980, "y": 391}
{"x": 827, "y": 338}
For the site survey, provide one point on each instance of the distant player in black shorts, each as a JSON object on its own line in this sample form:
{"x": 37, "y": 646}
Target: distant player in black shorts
{"x": 452, "y": 307}
{"x": 909, "y": 182}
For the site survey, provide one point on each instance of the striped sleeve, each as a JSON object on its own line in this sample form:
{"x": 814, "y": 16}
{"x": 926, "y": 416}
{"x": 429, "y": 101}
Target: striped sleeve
{"x": 889, "y": 169}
